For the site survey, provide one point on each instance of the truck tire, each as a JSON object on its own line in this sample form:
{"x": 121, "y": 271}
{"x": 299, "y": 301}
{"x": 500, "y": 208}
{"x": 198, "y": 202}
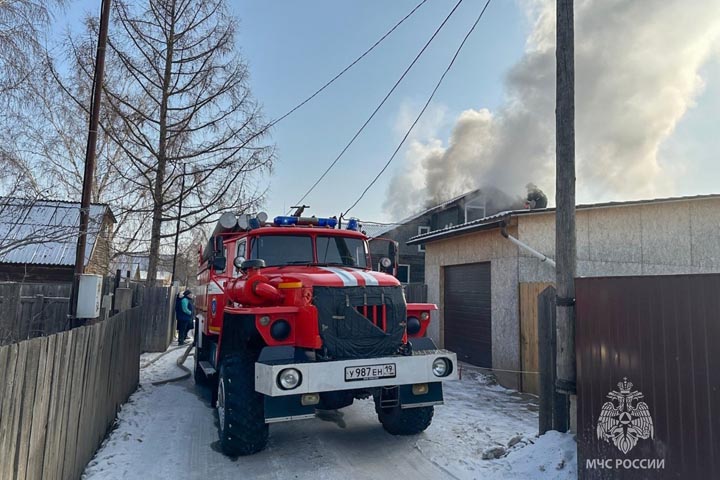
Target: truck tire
{"x": 408, "y": 421}
{"x": 240, "y": 408}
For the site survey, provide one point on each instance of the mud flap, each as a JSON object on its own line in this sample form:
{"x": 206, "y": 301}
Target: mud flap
{"x": 434, "y": 396}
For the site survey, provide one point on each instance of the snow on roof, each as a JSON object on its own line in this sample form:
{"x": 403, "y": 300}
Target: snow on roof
{"x": 160, "y": 274}
{"x": 44, "y": 232}
{"x": 137, "y": 261}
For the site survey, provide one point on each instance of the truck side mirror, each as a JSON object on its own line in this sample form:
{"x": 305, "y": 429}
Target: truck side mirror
{"x": 393, "y": 251}
{"x": 219, "y": 263}
{"x": 393, "y": 254}
{"x": 218, "y": 244}
{"x": 252, "y": 264}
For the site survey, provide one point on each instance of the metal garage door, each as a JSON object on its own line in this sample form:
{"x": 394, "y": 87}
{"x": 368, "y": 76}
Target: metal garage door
{"x": 467, "y": 313}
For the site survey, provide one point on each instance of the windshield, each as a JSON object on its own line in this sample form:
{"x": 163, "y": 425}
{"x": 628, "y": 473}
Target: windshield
{"x": 350, "y": 252}
{"x": 282, "y": 249}
{"x": 279, "y": 250}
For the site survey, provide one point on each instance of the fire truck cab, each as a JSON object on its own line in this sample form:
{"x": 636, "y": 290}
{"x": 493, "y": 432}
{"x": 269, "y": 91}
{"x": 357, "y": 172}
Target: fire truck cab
{"x": 291, "y": 319}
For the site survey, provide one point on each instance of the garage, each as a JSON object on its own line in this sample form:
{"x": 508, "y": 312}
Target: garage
{"x": 467, "y": 313}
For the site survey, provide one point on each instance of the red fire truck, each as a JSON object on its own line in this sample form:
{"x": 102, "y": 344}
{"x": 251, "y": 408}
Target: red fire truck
{"x": 291, "y": 319}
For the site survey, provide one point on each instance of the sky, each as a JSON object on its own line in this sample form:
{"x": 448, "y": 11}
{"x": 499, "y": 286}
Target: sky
{"x": 294, "y": 47}
{"x": 491, "y": 121}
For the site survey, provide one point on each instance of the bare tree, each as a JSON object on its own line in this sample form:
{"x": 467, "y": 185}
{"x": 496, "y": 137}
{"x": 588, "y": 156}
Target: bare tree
{"x": 22, "y": 23}
{"x": 22, "y": 27}
{"x": 45, "y": 142}
{"x": 177, "y": 92}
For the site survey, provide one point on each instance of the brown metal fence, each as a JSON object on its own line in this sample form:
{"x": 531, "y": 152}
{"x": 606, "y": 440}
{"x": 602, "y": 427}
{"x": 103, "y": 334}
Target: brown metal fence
{"x": 59, "y": 396}
{"x": 662, "y": 334}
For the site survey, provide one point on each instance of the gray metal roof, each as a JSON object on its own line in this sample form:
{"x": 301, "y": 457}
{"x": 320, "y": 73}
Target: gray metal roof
{"x": 497, "y": 220}
{"x": 379, "y": 229}
{"x": 44, "y": 232}
{"x": 376, "y": 230}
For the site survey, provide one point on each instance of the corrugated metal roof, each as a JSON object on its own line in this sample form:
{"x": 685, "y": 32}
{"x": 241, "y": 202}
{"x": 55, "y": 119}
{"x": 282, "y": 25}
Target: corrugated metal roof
{"x": 379, "y": 230}
{"x": 44, "y": 232}
{"x": 496, "y": 220}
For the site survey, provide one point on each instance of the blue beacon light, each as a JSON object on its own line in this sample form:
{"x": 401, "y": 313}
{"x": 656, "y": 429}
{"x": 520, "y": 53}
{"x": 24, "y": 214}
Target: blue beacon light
{"x": 285, "y": 220}
{"x": 327, "y": 222}
{"x": 353, "y": 224}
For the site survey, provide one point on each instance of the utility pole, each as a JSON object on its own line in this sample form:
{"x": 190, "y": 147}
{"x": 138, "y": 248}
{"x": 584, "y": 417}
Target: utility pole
{"x": 565, "y": 248}
{"x": 177, "y": 226}
{"x": 90, "y": 155}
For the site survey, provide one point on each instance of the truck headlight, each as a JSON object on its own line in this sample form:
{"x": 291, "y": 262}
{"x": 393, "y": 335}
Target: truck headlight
{"x": 289, "y": 379}
{"x": 441, "y": 367}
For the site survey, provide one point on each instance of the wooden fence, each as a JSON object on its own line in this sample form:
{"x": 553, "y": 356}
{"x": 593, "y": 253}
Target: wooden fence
{"x": 529, "y": 360}
{"x": 60, "y": 394}
{"x": 36, "y": 310}
{"x": 32, "y": 310}
{"x": 158, "y": 318}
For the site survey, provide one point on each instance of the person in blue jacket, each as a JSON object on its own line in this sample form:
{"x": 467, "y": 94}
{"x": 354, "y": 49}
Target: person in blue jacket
{"x": 184, "y": 315}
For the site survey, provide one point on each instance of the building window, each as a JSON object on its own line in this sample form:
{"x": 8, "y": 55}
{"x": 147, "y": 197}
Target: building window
{"x": 422, "y": 231}
{"x": 403, "y": 273}
{"x": 475, "y": 209}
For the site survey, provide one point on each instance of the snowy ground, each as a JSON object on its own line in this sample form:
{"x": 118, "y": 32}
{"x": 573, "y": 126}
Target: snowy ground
{"x": 169, "y": 432}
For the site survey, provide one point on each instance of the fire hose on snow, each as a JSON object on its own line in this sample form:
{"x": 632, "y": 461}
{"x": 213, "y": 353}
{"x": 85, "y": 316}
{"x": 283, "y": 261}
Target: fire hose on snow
{"x": 180, "y": 361}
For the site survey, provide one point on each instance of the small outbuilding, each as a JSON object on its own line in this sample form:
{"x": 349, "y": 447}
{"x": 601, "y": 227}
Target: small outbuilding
{"x": 38, "y": 239}
{"x": 486, "y": 286}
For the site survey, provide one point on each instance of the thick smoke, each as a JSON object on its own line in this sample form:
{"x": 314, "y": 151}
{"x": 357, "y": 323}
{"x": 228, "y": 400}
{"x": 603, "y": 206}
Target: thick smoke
{"x": 637, "y": 72}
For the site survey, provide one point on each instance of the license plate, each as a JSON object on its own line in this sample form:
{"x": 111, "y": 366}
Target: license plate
{"x": 370, "y": 372}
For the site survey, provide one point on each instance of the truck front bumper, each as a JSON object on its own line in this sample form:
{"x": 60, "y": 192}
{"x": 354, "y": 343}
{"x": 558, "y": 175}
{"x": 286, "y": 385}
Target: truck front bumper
{"x": 331, "y": 376}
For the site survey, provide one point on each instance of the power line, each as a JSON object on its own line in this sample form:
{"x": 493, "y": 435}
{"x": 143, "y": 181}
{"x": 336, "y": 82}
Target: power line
{"x": 331, "y": 81}
{"x": 417, "y": 119}
{"x": 271, "y": 124}
{"x": 397, "y": 83}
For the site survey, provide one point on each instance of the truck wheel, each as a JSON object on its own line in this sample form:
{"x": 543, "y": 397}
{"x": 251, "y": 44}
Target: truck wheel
{"x": 409, "y": 421}
{"x": 240, "y": 408}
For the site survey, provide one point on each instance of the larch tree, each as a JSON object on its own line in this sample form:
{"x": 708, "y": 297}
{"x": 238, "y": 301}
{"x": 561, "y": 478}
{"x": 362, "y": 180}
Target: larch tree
{"x": 177, "y": 93}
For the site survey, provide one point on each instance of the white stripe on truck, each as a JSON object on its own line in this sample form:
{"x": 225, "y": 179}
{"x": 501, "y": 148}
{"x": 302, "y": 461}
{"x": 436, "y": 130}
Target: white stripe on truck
{"x": 369, "y": 279}
{"x": 347, "y": 278}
